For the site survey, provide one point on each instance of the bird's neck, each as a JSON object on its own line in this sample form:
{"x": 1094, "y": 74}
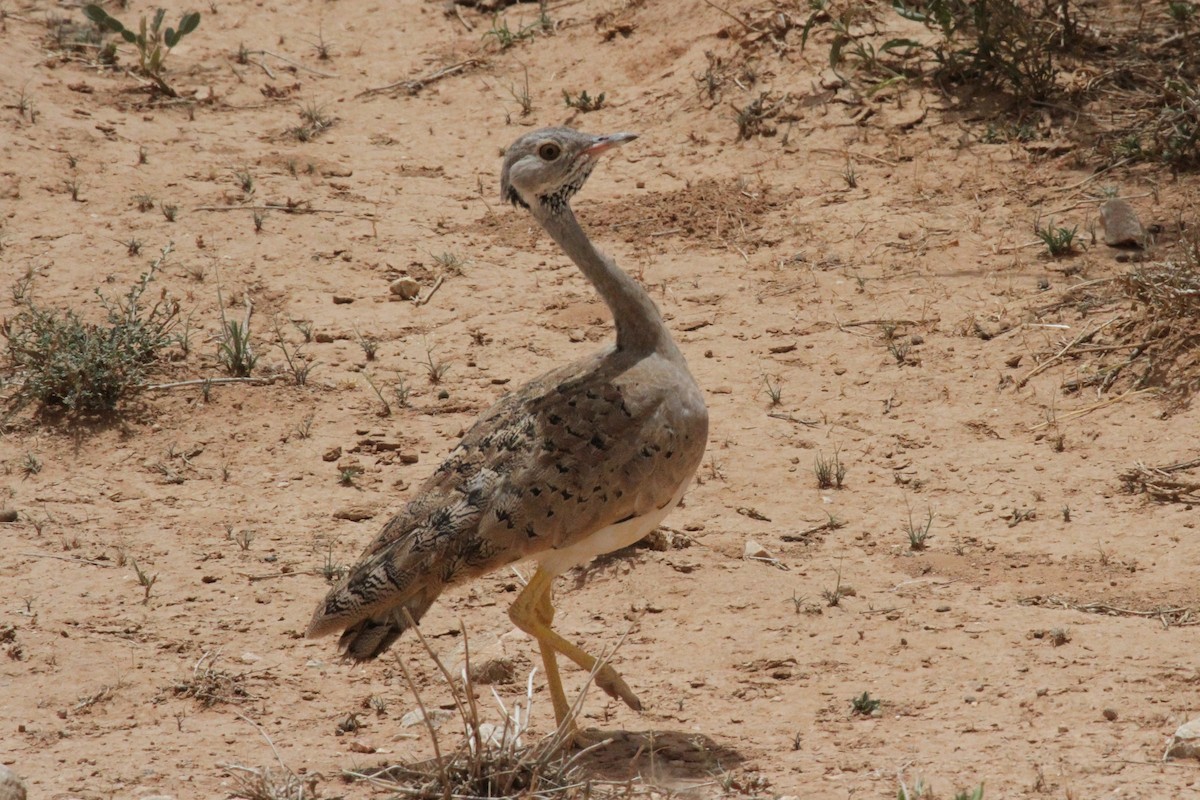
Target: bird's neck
{"x": 639, "y": 324}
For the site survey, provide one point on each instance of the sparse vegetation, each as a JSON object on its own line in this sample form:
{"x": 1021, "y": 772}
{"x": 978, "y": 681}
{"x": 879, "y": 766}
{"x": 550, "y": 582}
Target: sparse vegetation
{"x": 918, "y": 534}
{"x": 153, "y": 42}
{"x": 864, "y": 705}
{"x": 830, "y": 472}
{"x": 436, "y": 370}
{"x": 1059, "y": 241}
{"x": 583, "y": 101}
{"x": 57, "y": 360}
{"x": 314, "y": 120}
{"x": 233, "y": 344}
{"x": 145, "y": 580}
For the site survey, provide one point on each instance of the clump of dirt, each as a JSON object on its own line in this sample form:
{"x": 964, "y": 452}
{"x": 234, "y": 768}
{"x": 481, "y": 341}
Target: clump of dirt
{"x": 709, "y": 211}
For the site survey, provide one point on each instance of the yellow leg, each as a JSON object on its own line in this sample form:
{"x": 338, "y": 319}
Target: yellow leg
{"x": 533, "y": 612}
{"x": 545, "y": 615}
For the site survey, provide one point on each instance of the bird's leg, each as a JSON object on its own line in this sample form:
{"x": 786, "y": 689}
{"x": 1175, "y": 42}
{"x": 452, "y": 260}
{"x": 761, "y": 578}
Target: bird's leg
{"x": 532, "y": 611}
{"x": 544, "y": 611}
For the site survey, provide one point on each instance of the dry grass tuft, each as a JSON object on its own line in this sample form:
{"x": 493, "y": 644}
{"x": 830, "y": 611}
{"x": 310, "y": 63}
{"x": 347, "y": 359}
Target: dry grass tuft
{"x": 211, "y": 685}
{"x": 492, "y": 760}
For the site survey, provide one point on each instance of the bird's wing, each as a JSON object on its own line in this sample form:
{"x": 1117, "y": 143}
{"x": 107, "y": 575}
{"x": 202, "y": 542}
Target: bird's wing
{"x": 577, "y": 450}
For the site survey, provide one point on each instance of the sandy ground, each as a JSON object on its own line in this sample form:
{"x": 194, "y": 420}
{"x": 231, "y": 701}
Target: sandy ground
{"x": 775, "y": 274}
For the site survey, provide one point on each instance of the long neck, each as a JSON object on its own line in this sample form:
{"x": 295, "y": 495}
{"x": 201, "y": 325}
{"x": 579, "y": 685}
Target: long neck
{"x": 639, "y": 325}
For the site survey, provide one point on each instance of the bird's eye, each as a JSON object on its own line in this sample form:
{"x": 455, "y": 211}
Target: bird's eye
{"x": 549, "y": 151}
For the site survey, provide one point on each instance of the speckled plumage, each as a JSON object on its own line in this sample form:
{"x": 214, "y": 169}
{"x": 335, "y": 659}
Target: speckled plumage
{"x": 602, "y": 441}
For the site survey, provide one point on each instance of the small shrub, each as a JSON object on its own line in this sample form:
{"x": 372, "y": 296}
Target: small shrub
{"x": 583, "y": 101}
{"x": 864, "y": 705}
{"x": 57, "y": 360}
{"x": 153, "y": 43}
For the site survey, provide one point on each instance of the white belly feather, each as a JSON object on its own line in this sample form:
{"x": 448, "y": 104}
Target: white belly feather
{"x": 606, "y": 540}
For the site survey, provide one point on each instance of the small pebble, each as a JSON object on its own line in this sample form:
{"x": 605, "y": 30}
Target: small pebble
{"x": 8, "y": 515}
{"x": 341, "y": 300}
{"x": 1110, "y": 714}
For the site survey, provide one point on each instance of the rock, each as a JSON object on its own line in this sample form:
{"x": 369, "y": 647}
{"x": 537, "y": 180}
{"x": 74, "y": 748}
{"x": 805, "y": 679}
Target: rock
{"x": 405, "y": 288}
{"x": 323, "y": 338}
{"x": 332, "y": 454}
{"x": 342, "y": 299}
{"x": 754, "y": 551}
{"x": 493, "y": 736}
{"x": 11, "y": 787}
{"x": 8, "y": 515}
{"x": 1110, "y": 714}
{"x": 1122, "y": 228}
{"x": 355, "y": 513}
{"x": 1184, "y": 744}
{"x": 436, "y": 717}
{"x": 361, "y": 747}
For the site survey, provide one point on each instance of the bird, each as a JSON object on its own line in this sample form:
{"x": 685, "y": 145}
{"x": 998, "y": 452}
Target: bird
{"x": 581, "y": 461}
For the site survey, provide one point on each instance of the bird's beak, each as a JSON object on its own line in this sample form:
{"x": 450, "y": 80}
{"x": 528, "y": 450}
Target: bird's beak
{"x": 605, "y": 143}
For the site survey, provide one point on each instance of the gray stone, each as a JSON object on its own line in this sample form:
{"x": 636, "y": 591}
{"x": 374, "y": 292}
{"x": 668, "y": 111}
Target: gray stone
{"x": 1122, "y": 228}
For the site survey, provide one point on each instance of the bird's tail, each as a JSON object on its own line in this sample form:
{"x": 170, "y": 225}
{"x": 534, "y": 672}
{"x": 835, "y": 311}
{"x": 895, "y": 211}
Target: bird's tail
{"x": 367, "y": 638}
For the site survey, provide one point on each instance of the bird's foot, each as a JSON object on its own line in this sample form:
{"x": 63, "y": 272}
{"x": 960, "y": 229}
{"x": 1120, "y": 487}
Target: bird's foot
{"x": 615, "y": 687}
{"x": 579, "y": 739}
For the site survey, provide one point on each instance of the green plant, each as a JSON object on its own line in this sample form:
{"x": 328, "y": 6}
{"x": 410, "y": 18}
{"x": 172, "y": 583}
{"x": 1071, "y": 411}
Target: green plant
{"x": 900, "y": 349}
{"x": 830, "y": 472}
{"x": 298, "y": 364}
{"x": 919, "y": 534}
{"x": 369, "y": 344}
{"x": 245, "y": 180}
{"x": 153, "y": 43}
{"x": 584, "y": 102}
{"x": 864, "y": 705}
{"x": 965, "y": 795}
{"x": 133, "y": 247}
{"x": 402, "y": 391}
{"x": 58, "y": 360}
{"x": 1181, "y": 11}
{"x": 1175, "y": 133}
{"x": 435, "y": 369}
{"x": 1059, "y": 241}
{"x": 347, "y": 476}
{"x": 314, "y": 120}
{"x": 522, "y": 96}
{"x": 852, "y": 40}
{"x": 144, "y": 202}
{"x": 145, "y": 580}
{"x": 31, "y": 465}
{"x": 242, "y": 538}
{"x": 169, "y": 211}
{"x": 774, "y": 387}
{"x": 233, "y": 344}
{"x": 332, "y": 570}
{"x": 450, "y": 262}
{"x": 505, "y": 37}
{"x": 385, "y": 409}
{"x": 304, "y": 428}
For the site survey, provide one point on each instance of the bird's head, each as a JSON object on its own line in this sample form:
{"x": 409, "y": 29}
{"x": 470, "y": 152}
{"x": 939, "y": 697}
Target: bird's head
{"x": 544, "y": 168}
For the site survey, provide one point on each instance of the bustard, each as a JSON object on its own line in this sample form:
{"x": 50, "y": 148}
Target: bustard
{"x": 584, "y": 460}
